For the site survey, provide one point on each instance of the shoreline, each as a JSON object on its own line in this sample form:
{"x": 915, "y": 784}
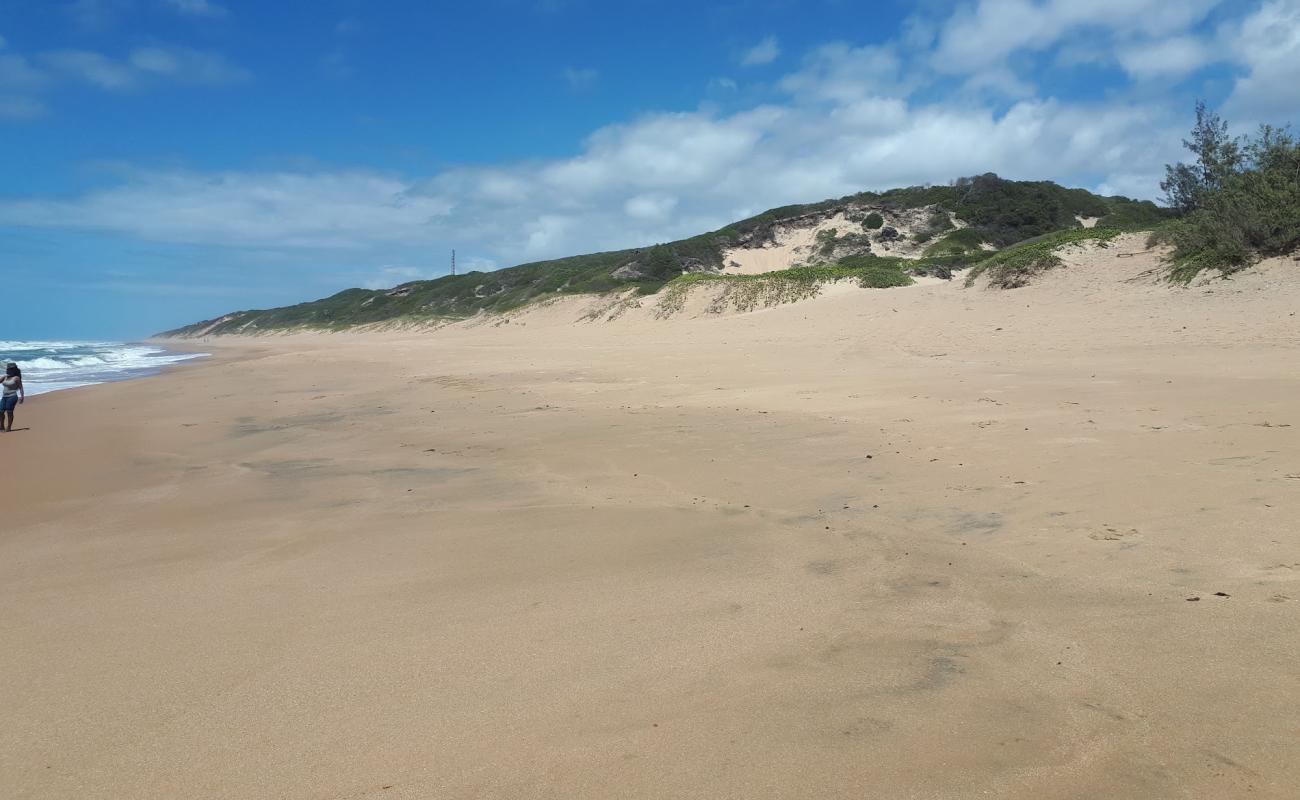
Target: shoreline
{"x": 44, "y": 382}
{"x": 934, "y": 544}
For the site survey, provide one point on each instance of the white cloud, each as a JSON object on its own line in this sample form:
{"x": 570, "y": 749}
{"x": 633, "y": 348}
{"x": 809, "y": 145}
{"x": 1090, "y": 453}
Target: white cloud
{"x": 580, "y": 78}
{"x": 657, "y": 179}
{"x": 185, "y": 65}
{"x": 24, "y": 80}
{"x": 89, "y": 67}
{"x": 650, "y": 207}
{"x": 198, "y": 8}
{"x": 326, "y": 210}
{"x": 765, "y": 52}
{"x": 1149, "y": 34}
{"x": 849, "y": 118}
{"x": 1267, "y": 43}
{"x": 1175, "y": 56}
{"x": 841, "y": 73}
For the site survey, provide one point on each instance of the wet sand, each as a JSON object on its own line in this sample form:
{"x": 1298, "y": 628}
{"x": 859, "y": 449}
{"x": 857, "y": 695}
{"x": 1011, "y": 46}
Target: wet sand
{"x": 922, "y": 543}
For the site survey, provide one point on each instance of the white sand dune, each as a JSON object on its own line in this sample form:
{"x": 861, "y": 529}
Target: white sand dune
{"x": 796, "y": 243}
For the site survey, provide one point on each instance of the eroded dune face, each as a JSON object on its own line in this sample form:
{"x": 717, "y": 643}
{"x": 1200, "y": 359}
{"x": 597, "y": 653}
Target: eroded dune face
{"x": 822, "y": 239}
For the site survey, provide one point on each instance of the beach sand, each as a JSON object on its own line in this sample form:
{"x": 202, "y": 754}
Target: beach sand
{"x": 929, "y": 542}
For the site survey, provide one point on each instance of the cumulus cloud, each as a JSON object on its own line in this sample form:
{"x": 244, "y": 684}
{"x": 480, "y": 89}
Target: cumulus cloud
{"x": 1175, "y": 56}
{"x": 980, "y": 38}
{"x": 903, "y": 112}
{"x": 840, "y": 73}
{"x": 1267, "y": 43}
{"x": 765, "y": 52}
{"x": 324, "y": 210}
{"x": 659, "y": 178}
{"x": 651, "y": 207}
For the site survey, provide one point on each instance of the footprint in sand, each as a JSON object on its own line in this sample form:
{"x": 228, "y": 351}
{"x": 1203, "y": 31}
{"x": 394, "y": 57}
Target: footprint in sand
{"x": 1109, "y": 534}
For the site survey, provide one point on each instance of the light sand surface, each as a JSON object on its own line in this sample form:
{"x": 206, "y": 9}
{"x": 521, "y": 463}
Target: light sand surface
{"x": 923, "y": 543}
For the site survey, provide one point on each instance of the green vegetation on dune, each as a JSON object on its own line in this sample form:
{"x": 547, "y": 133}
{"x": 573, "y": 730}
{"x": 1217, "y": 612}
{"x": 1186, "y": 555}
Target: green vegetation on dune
{"x": 958, "y": 242}
{"x": 937, "y": 223}
{"x": 998, "y": 211}
{"x": 1134, "y": 215}
{"x": 749, "y": 292}
{"x": 1241, "y": 198}
{"x": 1005, "y": 212}
{"x": 1014, "y": 266}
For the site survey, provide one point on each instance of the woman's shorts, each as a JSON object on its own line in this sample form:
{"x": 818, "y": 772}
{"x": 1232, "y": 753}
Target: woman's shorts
{"x": 8, "y": 403}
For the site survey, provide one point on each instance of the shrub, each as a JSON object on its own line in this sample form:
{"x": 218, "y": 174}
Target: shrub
{"x": 939, "y": 222}
{"x": 826, "y": 241}
{"x": 1006, "y": 212}
{"x": 873, "y": 222}
{"x": 1243, "y": 214}
{"x": 962, "y": 240}
{"x": 1135, "y": 215}
{"x": 876, "y": 272}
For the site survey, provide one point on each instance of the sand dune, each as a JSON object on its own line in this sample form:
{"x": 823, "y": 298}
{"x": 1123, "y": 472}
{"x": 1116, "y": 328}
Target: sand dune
{"x": 797, "y": 243}
{"x": 931, "y": 542}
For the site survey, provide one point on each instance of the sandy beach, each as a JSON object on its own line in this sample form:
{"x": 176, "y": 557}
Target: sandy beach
{"x": 931, "y": 542}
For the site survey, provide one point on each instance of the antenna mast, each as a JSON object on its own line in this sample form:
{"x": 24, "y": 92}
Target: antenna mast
{"x": 453, "y": 262}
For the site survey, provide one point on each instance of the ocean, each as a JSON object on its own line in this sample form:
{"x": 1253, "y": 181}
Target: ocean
{"x": 51, "y": 366}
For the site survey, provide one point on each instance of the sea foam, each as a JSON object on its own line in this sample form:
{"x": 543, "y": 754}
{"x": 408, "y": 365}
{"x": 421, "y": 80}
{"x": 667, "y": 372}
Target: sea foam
{"x": 53, "y": 365}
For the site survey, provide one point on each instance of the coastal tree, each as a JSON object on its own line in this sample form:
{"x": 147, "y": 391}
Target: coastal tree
{"x": 1219, "y": 156}
{"x": 1241, "y": 199}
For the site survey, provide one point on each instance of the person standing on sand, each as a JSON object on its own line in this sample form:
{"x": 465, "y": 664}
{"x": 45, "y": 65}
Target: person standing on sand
{"x": 11, "y": 394}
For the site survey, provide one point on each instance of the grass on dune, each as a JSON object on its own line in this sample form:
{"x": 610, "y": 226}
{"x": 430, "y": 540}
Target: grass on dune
{"x": 1016, "y": 265}
{"x": 749, "y": 292}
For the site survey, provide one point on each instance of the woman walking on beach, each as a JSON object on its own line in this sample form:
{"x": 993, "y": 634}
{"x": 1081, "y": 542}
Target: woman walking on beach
{"x": 11, "y": 394}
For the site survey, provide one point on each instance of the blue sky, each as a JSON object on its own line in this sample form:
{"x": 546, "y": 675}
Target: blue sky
{"x": 168, "y": 160}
